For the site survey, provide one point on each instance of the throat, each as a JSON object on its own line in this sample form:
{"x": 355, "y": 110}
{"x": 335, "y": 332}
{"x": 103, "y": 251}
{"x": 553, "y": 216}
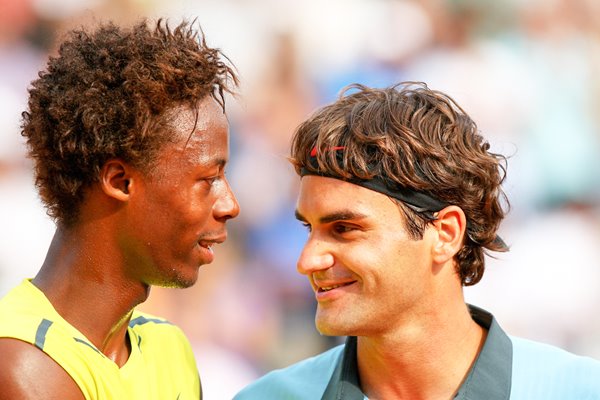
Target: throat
{"x": 417, "y": 369}
{"x": 117, "y": 345}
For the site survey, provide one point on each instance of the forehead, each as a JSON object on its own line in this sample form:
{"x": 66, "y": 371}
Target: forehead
{"x": 319, "y": 196}
{"x": 198, "y": 135}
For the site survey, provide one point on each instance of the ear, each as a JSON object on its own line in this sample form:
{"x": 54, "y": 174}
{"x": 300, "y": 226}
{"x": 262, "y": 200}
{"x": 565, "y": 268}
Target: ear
{"x": 450, "y": 224}
{"x": 115, "y": 179}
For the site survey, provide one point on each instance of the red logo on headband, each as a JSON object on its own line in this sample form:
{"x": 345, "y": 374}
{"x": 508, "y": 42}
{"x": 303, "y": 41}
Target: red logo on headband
{"x": 313, "y": 152}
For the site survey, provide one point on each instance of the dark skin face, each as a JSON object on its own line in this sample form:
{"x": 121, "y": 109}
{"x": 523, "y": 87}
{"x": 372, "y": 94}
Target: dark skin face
{"x": 189, "y": 201}
{"x": 135, "y": 229}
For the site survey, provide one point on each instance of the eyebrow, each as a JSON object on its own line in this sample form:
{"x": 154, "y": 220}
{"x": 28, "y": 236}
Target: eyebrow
{"x": 341, "y": 215}
{"x": 218, "y": 162}
{"x": 221, "y": 162}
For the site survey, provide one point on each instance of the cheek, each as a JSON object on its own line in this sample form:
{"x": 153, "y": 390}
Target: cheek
{"x": 164, "y": 216}
{"x": 390, "y": 265}
{"x": 198, "y": 210}
{"x": 190, "y": 220}
{"x": 367, "y": 262}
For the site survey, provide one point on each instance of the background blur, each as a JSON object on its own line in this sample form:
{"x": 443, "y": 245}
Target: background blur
{"x": 528, "y": 71}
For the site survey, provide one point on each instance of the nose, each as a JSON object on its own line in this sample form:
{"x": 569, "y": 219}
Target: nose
{"x": 226, "y": 206}
{"x": 315, "y": 257}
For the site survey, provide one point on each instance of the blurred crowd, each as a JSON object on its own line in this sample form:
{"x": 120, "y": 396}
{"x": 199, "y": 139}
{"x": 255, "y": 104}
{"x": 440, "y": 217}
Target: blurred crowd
{"x": 527, "y": 71}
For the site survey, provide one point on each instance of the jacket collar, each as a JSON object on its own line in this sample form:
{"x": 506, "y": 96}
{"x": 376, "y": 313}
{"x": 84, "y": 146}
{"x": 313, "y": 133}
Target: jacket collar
{"x": 489, "y": 378}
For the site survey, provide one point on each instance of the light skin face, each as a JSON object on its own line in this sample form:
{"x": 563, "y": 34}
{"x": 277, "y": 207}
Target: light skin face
{"x": 401, "y": 297}
{"x": 177, "y": 213}
{"x": 368, "y": 275}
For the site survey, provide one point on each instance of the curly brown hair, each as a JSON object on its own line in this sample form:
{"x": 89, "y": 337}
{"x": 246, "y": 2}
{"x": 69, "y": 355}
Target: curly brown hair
{"x": 419, "y": 139}
{"x": 107, "y": 94}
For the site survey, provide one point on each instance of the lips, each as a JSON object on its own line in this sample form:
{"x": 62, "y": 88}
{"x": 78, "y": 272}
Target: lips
{"x": 206, "y": 245}
{"x": 327, "y": 289}
{"x": 209, "y": 242}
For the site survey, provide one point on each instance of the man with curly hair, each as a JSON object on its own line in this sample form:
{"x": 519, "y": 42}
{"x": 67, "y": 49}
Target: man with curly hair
{"x": 401, "y": 197}
{"x": 128, "y": 133}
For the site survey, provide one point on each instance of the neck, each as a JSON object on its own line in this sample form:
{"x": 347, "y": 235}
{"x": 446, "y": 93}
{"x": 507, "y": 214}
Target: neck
{"x": 83, "y": 278}
{"x": 428, "y": 358}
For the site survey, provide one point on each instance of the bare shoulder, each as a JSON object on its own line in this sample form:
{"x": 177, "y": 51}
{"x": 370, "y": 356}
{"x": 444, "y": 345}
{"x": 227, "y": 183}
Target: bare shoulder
{"x": 28, "y": 373}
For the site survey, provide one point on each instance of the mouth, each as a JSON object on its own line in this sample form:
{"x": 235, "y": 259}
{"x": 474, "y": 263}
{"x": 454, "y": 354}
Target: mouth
{"x": 326, "y": 288}
{"x": 207, "y": 246}
{"x": 209, "y": 243}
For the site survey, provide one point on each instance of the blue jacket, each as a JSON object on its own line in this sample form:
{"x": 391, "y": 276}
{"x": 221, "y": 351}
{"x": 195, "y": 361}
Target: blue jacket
{"x": 506, "y": 368}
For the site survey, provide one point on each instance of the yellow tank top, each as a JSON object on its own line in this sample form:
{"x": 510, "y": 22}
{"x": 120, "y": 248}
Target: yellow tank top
{"x": 161, "y": 365}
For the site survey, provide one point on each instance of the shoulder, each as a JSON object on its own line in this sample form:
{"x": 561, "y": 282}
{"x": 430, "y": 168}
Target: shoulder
{"x": 529, "y": 356}
{"x": 166, "y": 351}
{"x": 149, "y": 326}
{"x": 28, "y": 373}
{"x": 145, "y": 320}
{"x": 306, "y": 379}
{"x": 541, "y": 368}
{"x": 154, "y": 334}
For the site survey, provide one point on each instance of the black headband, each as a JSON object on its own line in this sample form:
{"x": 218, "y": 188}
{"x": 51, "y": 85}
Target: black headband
{"x": 420, "y": 202}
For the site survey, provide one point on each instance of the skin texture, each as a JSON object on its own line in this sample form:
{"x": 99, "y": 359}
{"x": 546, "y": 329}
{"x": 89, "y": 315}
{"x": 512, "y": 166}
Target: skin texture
{"x": 20, "y": 362}
{"x": 136, "y": 229}
{"x": 401, "y": 297}
{"x": 341, "y": 250}
{"x": 189, "y": 200}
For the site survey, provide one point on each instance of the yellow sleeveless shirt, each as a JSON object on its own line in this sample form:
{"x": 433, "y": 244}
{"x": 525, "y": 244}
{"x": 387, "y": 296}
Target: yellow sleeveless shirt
{"x": 161, "y": 365}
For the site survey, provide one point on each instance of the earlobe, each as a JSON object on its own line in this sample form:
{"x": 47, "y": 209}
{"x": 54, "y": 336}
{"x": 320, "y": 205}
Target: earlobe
{"x": 115, "y": 179}
{"x": 450, "y": 225}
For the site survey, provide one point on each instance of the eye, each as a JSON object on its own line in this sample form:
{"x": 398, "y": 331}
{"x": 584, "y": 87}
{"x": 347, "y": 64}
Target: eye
{"x": 210, "y": 180}
{"x": 307, "y": 226}
{"x": 209, "y": 176}
{"x": 343, "y": 228}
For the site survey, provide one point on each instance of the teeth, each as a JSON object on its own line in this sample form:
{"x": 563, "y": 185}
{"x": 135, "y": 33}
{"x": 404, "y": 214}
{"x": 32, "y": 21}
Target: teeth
{"x": 327, "y": 288}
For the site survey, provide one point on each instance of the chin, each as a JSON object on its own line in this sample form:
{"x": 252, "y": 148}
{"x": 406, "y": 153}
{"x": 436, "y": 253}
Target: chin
{"x": 183, "y": 284}
{"x": 332, "y": 328}
{"x": 177, "y": 279}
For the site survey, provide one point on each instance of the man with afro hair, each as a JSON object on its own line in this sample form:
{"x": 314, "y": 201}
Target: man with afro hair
{"x": 127, "y": 130}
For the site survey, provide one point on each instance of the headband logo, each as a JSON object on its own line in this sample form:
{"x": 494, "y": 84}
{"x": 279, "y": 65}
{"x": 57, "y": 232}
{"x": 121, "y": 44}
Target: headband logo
{"x": 313, "y": 152}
